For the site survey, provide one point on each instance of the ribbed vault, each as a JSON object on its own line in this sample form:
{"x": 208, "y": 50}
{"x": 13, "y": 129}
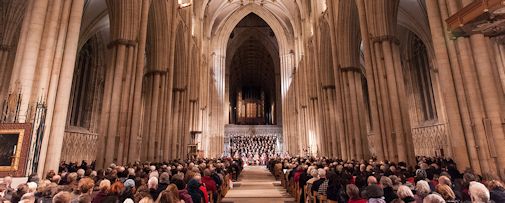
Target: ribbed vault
{"x": 253, "y": 61}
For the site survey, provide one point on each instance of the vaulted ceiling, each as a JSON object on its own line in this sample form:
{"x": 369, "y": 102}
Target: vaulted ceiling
{"x": 253, "y": 55}
{"x": 214, "y": 13}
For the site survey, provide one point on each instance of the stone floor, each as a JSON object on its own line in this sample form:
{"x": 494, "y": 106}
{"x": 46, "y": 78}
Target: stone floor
{"x": 256, "y": 184}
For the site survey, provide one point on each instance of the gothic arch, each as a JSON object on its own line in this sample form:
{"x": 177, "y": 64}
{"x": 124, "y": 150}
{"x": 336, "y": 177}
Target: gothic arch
{"x": 99, "y": 24}
{"x": 226, "y": 26}
{"x": 422, "y": 31}
{"x": 220, "y": 42}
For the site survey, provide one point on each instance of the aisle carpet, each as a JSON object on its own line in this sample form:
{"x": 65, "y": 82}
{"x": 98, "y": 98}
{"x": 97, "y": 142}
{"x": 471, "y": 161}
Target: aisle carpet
{"x": 256, "y": 184}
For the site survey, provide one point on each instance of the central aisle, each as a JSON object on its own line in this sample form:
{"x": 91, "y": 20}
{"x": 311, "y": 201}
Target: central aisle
{"x": 257, "y": 184}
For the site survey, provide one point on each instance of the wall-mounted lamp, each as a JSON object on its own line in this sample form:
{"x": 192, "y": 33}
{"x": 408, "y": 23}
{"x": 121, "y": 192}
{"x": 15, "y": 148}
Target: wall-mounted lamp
{"x": 185, "y": 3}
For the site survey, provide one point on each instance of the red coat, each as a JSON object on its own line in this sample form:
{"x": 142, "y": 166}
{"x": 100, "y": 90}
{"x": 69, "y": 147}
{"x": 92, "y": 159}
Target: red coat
{"x": 205, "y": 194}
{"x": 210, "y": 184}
{"x": 357, "y": 201}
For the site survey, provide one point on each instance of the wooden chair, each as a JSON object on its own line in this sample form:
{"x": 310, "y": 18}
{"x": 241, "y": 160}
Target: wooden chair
{"x": 283, "y": 181}
{"x": 314, "y": 195}
{"x": 297, "y": 192}
{"x": 307, "y": 193}
{"x": 323, "y": 199}
{"x": 211, "y": 197}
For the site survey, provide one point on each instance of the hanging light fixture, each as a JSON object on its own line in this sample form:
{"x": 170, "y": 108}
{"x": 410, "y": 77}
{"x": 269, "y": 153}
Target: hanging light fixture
{"x": 185, "y": 3}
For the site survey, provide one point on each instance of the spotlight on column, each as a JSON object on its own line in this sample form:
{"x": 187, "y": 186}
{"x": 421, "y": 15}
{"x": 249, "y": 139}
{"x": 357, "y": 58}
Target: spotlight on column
{"x": 185, "y": 3}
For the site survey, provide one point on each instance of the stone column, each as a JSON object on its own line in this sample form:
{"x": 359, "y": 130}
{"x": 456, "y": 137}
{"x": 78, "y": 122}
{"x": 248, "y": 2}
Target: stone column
{"x": 125, "y": 18}
{"x": 460, "y": 139}
{"x": 348, "y": 60}
{"x": 148, "y": 86}
{"x": 64, "y": 85}
{"x": 382, "y": 26}
{"x": 56, "y": 65}
{"x": 28, "y": 58}
{"x": 154, "y": 116}
{"x": 48, "y": 45}
{"x": 491, "y": 95}
{"x": 113, "y": 123}
{"x": 125, "y": 107}
{"x": 375, "y": 127}
{"x": 133, "y": 155}
{"x": 175, "y": 113}
{"x": 159, "y": 124}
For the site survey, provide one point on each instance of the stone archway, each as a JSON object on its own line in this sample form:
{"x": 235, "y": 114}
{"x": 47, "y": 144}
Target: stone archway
{"x": 218, "y": 52}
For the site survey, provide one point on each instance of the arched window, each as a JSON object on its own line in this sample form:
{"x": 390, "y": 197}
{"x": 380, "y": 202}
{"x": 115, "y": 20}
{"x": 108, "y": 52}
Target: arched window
{"x": 87, "y": 85}
{"x": 418, "y": 79}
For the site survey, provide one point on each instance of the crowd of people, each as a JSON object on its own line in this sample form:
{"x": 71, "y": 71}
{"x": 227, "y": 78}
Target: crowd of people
{"x": 253, "y": 149}
{"x": 432, "y": 180}
{"x": 309, "y": 179}
{"x": 200, "y": 181}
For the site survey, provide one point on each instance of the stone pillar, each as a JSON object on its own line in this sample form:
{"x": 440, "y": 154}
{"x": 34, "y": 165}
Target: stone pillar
{"x": 133, "y": 155}
{"x": 55, "y": 143}
{"x": 66, "y": 42}
{"x": 115, "y": 102}
{"x": 125, "y": 106}
{"x": 348, "y": 59}
{"x": 460, "y": 140}
{"x": 491, "y": 95}
{"x": 375, "y": 127}
{"x": 28, "y": 58}
{"x": 154, "y": 116}
{"x": 125, "y": 18}
{"x": 382, "y": 26}
{"x": 148, "y": 86}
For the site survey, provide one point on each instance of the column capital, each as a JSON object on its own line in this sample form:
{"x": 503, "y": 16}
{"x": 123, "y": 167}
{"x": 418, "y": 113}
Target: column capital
{"x": 179, "y": 89}
{"x": 125, "y": 42}
{"x": 155, "y": 72}
{"x": 351, "y": 69}
{"x": 382, "y": 38}
{"x": 325, "y": 87}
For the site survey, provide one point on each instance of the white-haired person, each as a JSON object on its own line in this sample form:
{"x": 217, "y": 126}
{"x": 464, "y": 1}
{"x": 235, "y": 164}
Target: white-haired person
{"x": 152, "y": 184}
{"x": 433, "y": 198}
{"x": 422, "y": 190}
{"x": 322, "y": 177}
{"x": 405, "y": 194}
{"x": 7, "y": 194}
{"x": 314, "y": 176}
{"x": 32, "y": 187}
{"x": 28, "y": 198}
{"x": 479, "y": 193}
{"x": 80, "y": 174}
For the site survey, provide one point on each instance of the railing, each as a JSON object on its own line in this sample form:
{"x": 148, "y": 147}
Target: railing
{"x": 79, "y": 144}
{"x": 431, "y": 140}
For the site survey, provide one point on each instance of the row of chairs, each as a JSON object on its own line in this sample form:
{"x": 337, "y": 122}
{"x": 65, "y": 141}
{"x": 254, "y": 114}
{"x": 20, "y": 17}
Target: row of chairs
{"x": 294, "y": 189}
{"x": 225, "y": 187}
